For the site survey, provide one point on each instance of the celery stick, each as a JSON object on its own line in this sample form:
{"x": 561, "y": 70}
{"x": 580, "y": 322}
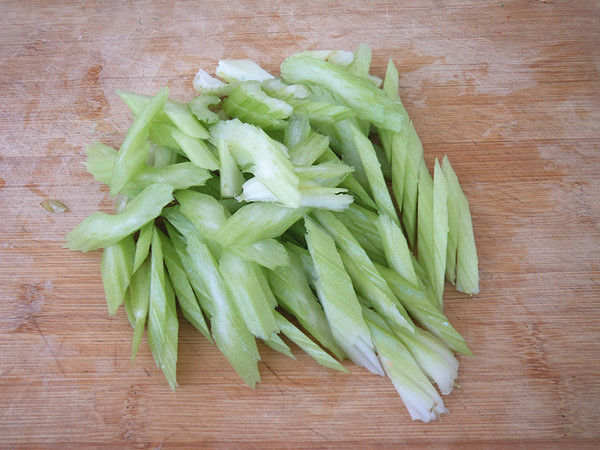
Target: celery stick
{"x": 440, "y": 230}
{"x": 286, "y": 92}
{"x": 266, "y": 158}
{"x": 100, "y": 161}
{"x": 306, "y": 344}
{"x": 134, "y": 149}
{"x": 205, "y": 84}
{"x": 467, "y": 271}
{"x": 204, "y": 211}
{"x": 324, "y": 170}
{"x": 268, "y": 253}
{"x": 366, "y": 278}
{"x": 186, "y": 299}
{"x": 291, "y": 288}
{"x": 396, "y": 248}
{"x": 240, "y": 70}
{"x": 425, "y": 240}
{"x": 139, "y": 301}
{"x": 339, "y": 301}
{"x": 179, "y": 176}
{"x": 199, "y": 107}
{"x": 196, "y": 150}
{"x": 250, "y": 299}
{"x": 413, "y": 165}
{"x": 297, "y": 131}
{"x": 362, "y": 95}
{"x": 379, "y": 189}
{"x": 341, "y": 58}
{"x": 249, "y": 103}
{"x": 424, "y": 310}
{"x": 361, "y": 63}
{"x": 257, "y": 221}
{"x": 116, "y": 267}
{"x": 362, "y": 224}
{"x": 307, "y": 151}
{"x": 322, "y": 113}
{"x": 162, "y": 134}
{"x": 142, "y": 246}
{"x": 398, "y": 154}
{"x": 419, "y": 396}
{"x": 277, "y": 344}
{"x": 230, "y": 177}
{"x": 163, "y": 326}
{"x": 102, "y": 230}
{"x": 161, "y": 156}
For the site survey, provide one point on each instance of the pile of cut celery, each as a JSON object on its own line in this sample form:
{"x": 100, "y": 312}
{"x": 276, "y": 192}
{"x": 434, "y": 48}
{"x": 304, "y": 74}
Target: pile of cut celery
{"x": 262, "y": 209}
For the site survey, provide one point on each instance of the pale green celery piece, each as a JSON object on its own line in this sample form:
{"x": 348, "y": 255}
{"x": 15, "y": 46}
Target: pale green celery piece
{"x": 100, "y": 161}
{"x": 161, "y": 156}
{"x": 341, "y": 58}
{"x": 386, "y": 166}
{"x": 313, "y": 195}
{"x": 396, "y": 248}
{"x": 359, "y": 192}
{"x": 134, "y": 149}
{"x": 369, "y": 102}
{"x": 136, "y": 103}
{"x": 467, "y": 266}
{"x": 305, "y": 259}
{"x": 267, "y": 159}
{"x": 249, "y": 296}
{"x": 116, "y": 267}
{"x": 291, "y": 287}
{"x": 249, "y": 103}
{"x": 362, "y": 224}
{"x": 162, "y": 134}
{"x": 205, "y": 84}
{"x": 231, "y": 179}
{"x": 418, "y": 394}
{"x": 309, "y": 150}
{"x": 297, "y": 131}
{"x": 440, "y": 231}
{"x": 277, "y": 344}
{"x": 305, "y": 343}
{"x": 183, "y": 290}
{"x": 414, "y": 163}
{"x": 163, "y": 326}
{"x": 195, "y": 280}
{"x": 142, "y": 246}
{"x": 268, "y": 253}
{"x": 345, "y": 145}
{"x": 322, "y": 113}
{"x": 324, "y": 170}
{"x": 379, "y": 188}
{"x": 275, "y": 87}
{"x": 240, "y": 70}
{"x": 361, "y": 64}
{"x": 199, "y": 107}
{"x": 205, "y": 212}
{"x": 257, "y": 221}
{"x": 398, "y": 153}
{"x": 196, "y": 150}
{"x": 339, "y": 300}
{"x": 102, "y": 230}
{"x": 229, "y": 331}
{"x": 435, "y": 359}
{"x": 424, "y": 310}
{"x": 139, "y": 301}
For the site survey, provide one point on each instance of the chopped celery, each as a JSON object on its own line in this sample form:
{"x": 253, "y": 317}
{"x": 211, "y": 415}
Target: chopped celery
{"x": 205, "y": 84}
{"x": 440, "y": 230}
{"x": 396, "y": 248}
{"x": 102, "y": 230}
{"x": 341, "y": 58}
{"x": 339, "y": 300}
{"x": 139, "y": 301}
{"x": 116, "y": 267}
{"x": 240, "y": 70}
{"x": 142, "y": 246}
{"x": 196, "y": 150}
{"x": 230, "y": 176}
{"x": 297, "y": 131}
{"x": 199, "y": 107}
{"x": 307, "y": 151}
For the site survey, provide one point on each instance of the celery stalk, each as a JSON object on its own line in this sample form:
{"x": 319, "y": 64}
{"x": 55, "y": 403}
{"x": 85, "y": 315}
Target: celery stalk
{"x": 396, "y": 248}
{"x": 230, "y": 177}
{"x": 139, "y": 301}
{"x": 297, "y": 131}
{"x": 116, "y": 268}
{"x": 440, "y": 230}
{"x": 199, "y": 107}
{"x": 196, "y": 150}
{"x": 339, "y": 300}
{"x": 142, "y": 246}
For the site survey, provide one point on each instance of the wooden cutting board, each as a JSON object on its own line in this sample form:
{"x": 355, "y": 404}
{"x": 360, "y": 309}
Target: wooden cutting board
{"x": 509, "y": 90}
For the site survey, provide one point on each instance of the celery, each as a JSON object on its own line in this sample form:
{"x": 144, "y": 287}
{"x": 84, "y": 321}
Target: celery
{"x": 308, "y": 150}
{"x": 240, "y": 70}
{"x": 116, "y": 267}
{"x": 396, "y": 248}
{"x": 230, "y": 177}
{"x": 102, "y": 230}
{"x": 142, "y": 246}
{"x": 297, "y": 131}
{"x": 339, "y": 300}
{"x": 195, "y": 150}
{"x": 199, "y": 107}
{"x": 139, "y": 301}
{"x": 440, "y": 230}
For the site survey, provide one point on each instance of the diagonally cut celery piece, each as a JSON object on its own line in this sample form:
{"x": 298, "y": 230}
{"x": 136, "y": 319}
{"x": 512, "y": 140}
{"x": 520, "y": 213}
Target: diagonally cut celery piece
{"x": 163, "y": 326}
{"x": 139, "y": 301}
{"x": 362, "y": 224}
{"x": 134, "y": 149}
{"x": 414, "y": 163}
{"x": 297, "y": 130}
{"x": 339, "y": 300}
{"x": 440, "y": 230}
{"x": 230, "y": 177}
{"x": 467, "y": 271}
{"x": 309, "y": 150}
{"x": 102, "y": 230}
{"x": 240, "y": 70}
{"x": 142, "y": 246}
{"x": 116, "y": 267}
{"x": 306, "y": 344}
{"x": 205, "y": 84}
{"x": 418, "y": 394}
{"x": 199, "y": 107}
{"x": 196, "y": 150}
{"x": 396, "y": 248}
{"x": 369, "y": 102}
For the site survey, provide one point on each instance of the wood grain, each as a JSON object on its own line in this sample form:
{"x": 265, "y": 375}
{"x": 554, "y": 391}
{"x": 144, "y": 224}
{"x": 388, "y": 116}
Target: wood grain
{"x": 509, "y": 90}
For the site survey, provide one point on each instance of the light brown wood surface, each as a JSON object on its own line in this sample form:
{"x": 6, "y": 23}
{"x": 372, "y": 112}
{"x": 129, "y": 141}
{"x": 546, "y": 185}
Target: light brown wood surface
{"x": 508, "y": 89}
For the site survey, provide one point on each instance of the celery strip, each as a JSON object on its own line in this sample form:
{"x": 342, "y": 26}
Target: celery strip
{"x": 396, "y": 248}
{"x": 307, "y": 151}
{"x": 297, "y": 131}
{"x": 339, "y": 300}
{"x": 361, "y": 63}
{"x": 362, "y": 95}
{"x": 199, "y": 107}
{"x": 418, "y": 395}
{"x": 291, "y": 287}
{"x": 102, "y": 230}
{"x": 266, "y": 158}
{"x": 230, "y": 177}
{"x": 196, "y": 150}
{"x": 341, "y": 58}
{"x": 116, "y": 267}
{"x": 205, "y": 84}
{"x": 142, "y": 246}
{"x": 413, "y": 165}
{"x": 186, "y": 299}
{"x": 440, "y": 230}
{"x": 306, "y": 344}
{"x": 240, "y": 70}
{"x": 366, "y": 278}
{"x": 362, "y": 224}
{"x": 163, "y": 326}
{"x": 134, "y": 149}
{"x": 139, "y": 302}
{"x": 286, "y": 92}
{"x": 467, "y": 271}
